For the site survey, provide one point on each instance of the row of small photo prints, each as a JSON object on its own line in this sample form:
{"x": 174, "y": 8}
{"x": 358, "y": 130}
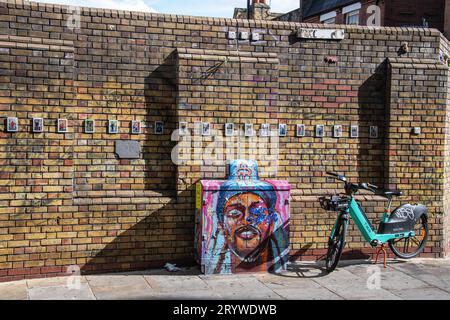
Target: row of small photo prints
{"x": 282, "y": 130}
{"x": 89, "y": 126}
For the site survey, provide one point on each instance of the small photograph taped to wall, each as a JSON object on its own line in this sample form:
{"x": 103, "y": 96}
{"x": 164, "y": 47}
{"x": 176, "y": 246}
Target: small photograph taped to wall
{"x": 113, "y": 126}
{"x": 62, "y": 126}
{"x": 206, "y": 129}
{"x": 135, "y": 127}
{"x": 229, "y": 129}
{"x": 159, "y": 127}
{"x": 300, "y": 130}
{"x": 248, "y": 130}
{"x": 38, "y": 125}
{"x": 89, "y": 126}
{"x": 373, "y": 132}
{"x": 320, "y": 130}
{"x": 282, "y": 130}
{"x": 337, "y": 131}
{"x": 198, "y": 128}
{"x": 354, "y": 131}
{"x": 265, "y": 130}
{"x": 12, "y": 124}
{"x": 183, "y": 131}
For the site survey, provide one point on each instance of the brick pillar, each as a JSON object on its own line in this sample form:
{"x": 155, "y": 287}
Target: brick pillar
{"x": 415, "y": 162}
{"x": 447, "y": 19}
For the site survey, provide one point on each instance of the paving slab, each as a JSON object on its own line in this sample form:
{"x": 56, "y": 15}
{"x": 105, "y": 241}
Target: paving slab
{"x": 399, "y": 280}
{"x": 422, "y": 294}
{"x": 61, "y": 293}
{"x": 56, "y": 281}
{"x": 14, "y": 290}
{"x": 279, "y": 282}
{"x": 319, "y": 293}
{"x": 240, "y": 288}
{"x": 436, "y": 276}
{"x": 184, "y": 295}
{"x": 175, "y": 283}
{"x": 350, "y": 286}
{"x": 118, "y": 287}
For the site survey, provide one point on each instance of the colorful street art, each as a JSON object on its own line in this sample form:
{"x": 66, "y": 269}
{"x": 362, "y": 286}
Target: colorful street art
{"x": 242, "y": 224}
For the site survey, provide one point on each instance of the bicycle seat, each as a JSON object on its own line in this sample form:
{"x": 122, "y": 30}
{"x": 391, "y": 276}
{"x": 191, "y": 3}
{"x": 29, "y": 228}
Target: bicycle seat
{"x": 390, "y": 193}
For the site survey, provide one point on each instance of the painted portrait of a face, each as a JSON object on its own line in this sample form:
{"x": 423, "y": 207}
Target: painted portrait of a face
{"x": 247, "y": 223}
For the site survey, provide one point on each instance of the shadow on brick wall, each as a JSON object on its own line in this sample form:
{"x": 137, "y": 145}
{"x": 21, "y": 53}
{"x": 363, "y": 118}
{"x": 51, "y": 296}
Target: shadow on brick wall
{"x": 166, "y": 231}
{"x": 164, "y": 235}
{"x": 160, "y": 101}
{"x": 372, "y": 112}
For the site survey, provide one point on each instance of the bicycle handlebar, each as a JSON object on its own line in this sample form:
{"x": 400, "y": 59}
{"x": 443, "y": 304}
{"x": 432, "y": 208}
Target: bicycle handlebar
{"x": 337, "y": 176}
{"x": 351, "y": 187}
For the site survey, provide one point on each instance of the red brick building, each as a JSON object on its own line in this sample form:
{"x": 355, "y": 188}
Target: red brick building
{"x": 393, "y": 13}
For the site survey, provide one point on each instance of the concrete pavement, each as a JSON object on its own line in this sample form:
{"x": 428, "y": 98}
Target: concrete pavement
{"x": 416, "y": 279}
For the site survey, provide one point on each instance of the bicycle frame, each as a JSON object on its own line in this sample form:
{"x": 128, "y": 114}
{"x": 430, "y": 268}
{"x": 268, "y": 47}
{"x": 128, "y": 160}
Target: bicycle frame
{"x": 364, "y": 226}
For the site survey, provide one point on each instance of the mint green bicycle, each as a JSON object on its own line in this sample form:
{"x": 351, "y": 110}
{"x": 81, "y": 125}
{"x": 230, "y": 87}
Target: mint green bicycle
{"x": 405, "y": 229}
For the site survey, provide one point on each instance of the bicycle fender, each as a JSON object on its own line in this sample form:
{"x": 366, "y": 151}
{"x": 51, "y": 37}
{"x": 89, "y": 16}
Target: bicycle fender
{"x": 419, "y": 211}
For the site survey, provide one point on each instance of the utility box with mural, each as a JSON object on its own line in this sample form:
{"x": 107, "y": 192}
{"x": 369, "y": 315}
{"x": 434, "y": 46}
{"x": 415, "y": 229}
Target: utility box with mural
{"x": 242, "y": 224}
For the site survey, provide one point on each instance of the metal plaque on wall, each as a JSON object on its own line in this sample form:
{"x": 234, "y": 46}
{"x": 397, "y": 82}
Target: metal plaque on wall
{"x": 128, "y": 149}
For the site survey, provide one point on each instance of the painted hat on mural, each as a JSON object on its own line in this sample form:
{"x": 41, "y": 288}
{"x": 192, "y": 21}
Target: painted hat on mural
{"x": 244, "y": 178}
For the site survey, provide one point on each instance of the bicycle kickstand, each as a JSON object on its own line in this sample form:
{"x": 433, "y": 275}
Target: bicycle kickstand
{"x": 382, "y": 249}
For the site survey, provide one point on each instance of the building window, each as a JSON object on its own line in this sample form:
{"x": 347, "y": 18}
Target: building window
{"x": 352, "y": 17}
{"x": 328, "y": 18}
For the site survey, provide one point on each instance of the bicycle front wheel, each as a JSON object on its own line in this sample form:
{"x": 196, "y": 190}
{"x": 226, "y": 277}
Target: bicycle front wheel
{"x": 336, "y": 244}
{"x": 407, "y": 248}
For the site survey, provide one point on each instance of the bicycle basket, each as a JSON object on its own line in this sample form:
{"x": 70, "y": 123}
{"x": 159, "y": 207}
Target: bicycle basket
{"x": 334, "y": 203}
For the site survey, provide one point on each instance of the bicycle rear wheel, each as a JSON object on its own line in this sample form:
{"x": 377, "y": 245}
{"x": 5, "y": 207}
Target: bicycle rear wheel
{"x": 336, "y": 244}
{"x": 407, "y": 248}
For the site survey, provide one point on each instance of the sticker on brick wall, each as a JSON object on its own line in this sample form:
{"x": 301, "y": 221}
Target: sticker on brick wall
{"x": 12, "y": 124}
{"x": 320, "y": 130}
{"x": 206, "y": 129}
{"x": 159, "y": 127}
{"x": 198, "y": 127}
{"x": 135, "y": 127}
{"x": 248, "y": 130}
{"x": 89, "y": 126}
{"x": 113, "y": 126}
{"x": 282, "y": 130}
{"x": 337, "y": 131}
{"x": 183, "y": 130}
{"x": 300, "y": 130}
{"x": 373, "y": 133}
{"x": 62, "y": 126}
{"x": 265, "y": 130}
{"x": 38, "y": 125}
{"x": 354, "y": 131}
{"x": 229, "y": 129}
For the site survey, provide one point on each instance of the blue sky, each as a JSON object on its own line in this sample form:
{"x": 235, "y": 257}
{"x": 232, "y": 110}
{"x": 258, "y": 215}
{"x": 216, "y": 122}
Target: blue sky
{"x": 210, "y": 8}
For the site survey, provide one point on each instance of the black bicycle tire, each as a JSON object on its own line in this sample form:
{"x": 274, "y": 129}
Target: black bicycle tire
{"x": 342, "y": 223}
{"x": 399, "y": 254}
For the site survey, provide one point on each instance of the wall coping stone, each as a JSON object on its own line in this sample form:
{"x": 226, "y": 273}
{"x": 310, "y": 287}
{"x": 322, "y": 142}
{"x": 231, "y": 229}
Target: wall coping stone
{"x": 414, "y": 63}
{"x": 36, "y": 43}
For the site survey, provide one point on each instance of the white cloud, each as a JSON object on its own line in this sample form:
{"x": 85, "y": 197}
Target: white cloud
{"x": 131, "y": 5}
{"x": 284, "y": 6}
